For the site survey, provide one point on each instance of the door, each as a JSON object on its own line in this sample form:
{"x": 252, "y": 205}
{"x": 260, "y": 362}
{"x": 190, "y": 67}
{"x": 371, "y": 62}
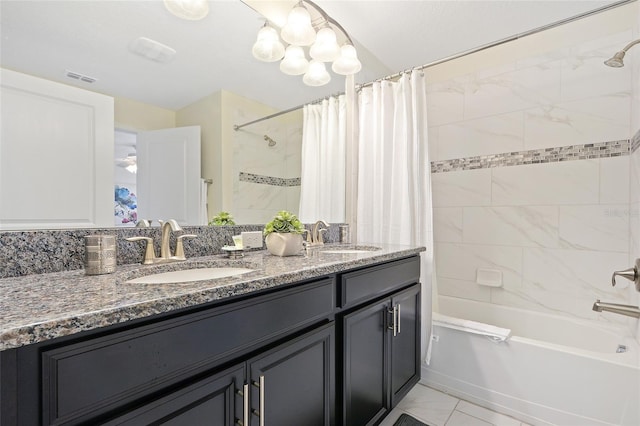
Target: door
{"x": 216, "y": 400}
{"x": 405, "y": 343}
{"x": 365, "y": 355}
{"x": 294, "y": 384}
{"x": 168, "y": 179}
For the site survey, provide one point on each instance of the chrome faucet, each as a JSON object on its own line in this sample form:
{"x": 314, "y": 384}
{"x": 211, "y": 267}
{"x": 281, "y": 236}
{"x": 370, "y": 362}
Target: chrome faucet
{"x": 628, "y": 310}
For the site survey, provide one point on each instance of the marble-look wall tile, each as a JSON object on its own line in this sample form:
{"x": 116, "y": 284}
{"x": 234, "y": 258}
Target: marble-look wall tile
{"x": 583, "y": 72}
{"x": 464, "y": 188}
{"x": 520, "y": 226}
{"x": 595, "y": 227}
{"x": 603, "y": 118}
{"x": 571, "y": 182}
{"x": 512, "y": 91}
{"x": 433, "y": 142}
{"x": 614, "y": 180}
{"x": 463, "y": 289}
{"x": 445, "y": 102}
{"x": 259, "y": 196}
{"x": 447, "y": 224}
{"x": 461, "y": 261}
{"x": 634, "y": 177}
{"x": 487, "y": 135}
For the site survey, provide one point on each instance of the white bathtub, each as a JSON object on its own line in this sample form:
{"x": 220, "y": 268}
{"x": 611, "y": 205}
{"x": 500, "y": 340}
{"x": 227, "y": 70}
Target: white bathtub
{"x": 553, "y": 370}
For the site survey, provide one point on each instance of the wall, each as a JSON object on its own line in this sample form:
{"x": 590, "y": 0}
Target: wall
{"x": 251, "y": 180}
{"x": 530, "y": 142}
{"x": 632, "y": 59}
{"x": 137, "y": 116}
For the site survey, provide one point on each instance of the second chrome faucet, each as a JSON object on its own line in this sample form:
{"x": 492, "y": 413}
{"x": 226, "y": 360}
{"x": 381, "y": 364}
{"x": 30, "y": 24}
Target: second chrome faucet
{"x": 167, "y": 227}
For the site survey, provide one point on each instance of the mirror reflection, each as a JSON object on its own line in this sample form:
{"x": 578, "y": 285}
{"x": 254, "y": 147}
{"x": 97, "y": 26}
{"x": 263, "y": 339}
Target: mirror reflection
{"x": 211, "y": 81}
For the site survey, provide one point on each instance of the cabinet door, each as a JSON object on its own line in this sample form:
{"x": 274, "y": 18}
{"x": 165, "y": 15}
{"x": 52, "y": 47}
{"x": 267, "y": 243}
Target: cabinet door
{"x": 405, "y": 343}
{"x": 294, "y": 384}
{"x": 365, "y": 396}
{"x": 216, "y": 400}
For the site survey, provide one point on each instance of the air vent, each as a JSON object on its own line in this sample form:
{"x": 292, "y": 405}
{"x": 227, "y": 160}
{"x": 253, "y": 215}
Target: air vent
{"x": 81, "y": 77}
{"x": 152, "y": 50}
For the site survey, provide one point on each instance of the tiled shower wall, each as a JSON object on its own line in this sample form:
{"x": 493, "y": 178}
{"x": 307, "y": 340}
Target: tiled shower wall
{"x": 266, "y": 178}
{"x": 633, "y": 59}
{"x": 531, "y": 174}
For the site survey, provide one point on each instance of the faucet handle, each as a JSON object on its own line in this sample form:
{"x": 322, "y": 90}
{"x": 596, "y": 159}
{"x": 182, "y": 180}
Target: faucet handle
{"x": 180, "y": 246}
{"x": 632, "y": 274}
{"x": 306, "y": 231}
{"x": 149, "y": 253}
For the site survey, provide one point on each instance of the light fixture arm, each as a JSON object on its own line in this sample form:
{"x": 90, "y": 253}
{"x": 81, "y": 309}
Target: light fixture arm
{"x": 328, "y": 19}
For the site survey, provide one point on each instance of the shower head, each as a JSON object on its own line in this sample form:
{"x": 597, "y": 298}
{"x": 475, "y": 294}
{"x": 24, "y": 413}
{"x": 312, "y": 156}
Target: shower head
{"x": 617, "y": 60}
{"x": 271, "y": 141}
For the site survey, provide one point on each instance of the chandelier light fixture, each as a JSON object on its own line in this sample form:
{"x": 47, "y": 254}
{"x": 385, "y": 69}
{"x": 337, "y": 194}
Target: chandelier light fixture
{"x": 192, "y": 10}
{"x": 318, "y": 36}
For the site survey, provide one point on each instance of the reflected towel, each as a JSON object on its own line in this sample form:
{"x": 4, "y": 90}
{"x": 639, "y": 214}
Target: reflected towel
{"x": 495, "y": 333}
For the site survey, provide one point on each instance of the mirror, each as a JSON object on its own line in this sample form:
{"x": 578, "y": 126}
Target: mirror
{"x": 212, "y": 63}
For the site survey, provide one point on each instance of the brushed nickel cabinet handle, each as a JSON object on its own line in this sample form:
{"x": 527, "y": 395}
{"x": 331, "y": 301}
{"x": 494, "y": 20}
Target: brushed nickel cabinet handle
{"x": 245, "y": 405}
{"x": 260, "y": 413}
{"x": 399, "y": 320}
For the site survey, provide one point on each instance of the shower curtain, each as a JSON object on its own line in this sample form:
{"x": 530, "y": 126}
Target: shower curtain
{"x": 394, "y": 172}
{"x": 322, "y": 181}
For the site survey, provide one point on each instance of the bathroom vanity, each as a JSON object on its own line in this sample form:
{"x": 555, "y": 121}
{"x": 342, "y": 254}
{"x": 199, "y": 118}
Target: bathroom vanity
{"x": 321, "y": 339}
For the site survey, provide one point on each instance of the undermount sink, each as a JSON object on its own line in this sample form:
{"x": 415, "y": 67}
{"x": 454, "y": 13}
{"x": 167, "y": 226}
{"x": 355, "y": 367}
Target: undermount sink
{"x": 189, "y": 275}
{"x": 349, "y": 250}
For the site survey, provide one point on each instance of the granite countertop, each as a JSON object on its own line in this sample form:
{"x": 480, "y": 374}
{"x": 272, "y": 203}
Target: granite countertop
{"x": 36, "y": 308}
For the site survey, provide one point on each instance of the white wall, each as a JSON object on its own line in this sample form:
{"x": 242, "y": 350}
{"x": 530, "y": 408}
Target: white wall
{"x": 633, "y": 60}
{"x": 556, "y": 230}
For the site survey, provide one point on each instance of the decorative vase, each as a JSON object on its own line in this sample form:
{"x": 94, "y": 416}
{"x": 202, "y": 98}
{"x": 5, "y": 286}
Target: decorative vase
{"x": 284, "y": 244}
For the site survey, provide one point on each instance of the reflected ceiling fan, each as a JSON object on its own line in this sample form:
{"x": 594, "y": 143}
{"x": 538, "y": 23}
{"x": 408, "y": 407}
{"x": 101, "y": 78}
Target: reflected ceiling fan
{"x": 129, "y": 163}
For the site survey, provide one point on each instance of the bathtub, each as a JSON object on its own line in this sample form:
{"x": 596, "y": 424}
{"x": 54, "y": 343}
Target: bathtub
{"x": 553, "y": 370}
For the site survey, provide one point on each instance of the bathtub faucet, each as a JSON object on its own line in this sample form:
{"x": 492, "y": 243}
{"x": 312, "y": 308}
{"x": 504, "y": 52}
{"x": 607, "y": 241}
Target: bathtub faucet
{"x": 628, "y": 310}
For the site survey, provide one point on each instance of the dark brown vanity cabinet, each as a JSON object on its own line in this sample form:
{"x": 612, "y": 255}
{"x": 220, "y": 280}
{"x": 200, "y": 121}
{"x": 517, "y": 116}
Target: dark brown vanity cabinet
{"x": 381, "y": 342}
{"x": 292, "y": 384}
{"x": 339, "y": 350}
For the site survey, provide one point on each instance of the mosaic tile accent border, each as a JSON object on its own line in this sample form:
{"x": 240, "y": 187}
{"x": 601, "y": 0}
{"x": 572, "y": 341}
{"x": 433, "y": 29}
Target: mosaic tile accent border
{"x": 635, "y": 141}
{"x": 537, "y": 156}
{"x": 268, "y": 180}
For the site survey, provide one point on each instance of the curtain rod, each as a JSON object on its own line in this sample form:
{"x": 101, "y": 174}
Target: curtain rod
{"x": 286, "y": 111}
{"x": 458, "y": 55}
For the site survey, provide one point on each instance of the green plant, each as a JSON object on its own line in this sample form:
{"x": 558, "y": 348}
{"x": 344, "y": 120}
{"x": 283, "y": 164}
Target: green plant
{"x": 221, "y": 219}
{"x": 284, "y": 222}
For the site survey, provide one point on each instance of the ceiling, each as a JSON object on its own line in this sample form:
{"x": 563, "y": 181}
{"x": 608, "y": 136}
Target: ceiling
{"x": 46, "y": 38}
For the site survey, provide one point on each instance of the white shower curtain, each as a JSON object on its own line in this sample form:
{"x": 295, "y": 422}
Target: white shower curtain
{"x": 394, "y": 180}
{"x": 322, "y": 181}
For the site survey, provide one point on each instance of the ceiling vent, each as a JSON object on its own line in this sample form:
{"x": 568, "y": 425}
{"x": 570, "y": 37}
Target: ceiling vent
{"x": 77, "y": 76}
{"x": 152, "y": 50}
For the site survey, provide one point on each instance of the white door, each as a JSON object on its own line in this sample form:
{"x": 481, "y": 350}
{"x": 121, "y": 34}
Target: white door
{"x": 168, "y": 179}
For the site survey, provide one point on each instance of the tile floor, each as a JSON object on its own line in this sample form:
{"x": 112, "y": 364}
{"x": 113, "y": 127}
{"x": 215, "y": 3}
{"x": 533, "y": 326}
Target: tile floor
{"x": 439, "y": 409}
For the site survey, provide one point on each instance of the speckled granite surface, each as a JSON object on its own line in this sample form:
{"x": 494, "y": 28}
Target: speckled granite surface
{"x": 36, "y": 308}
{"x": 40, "y": 252}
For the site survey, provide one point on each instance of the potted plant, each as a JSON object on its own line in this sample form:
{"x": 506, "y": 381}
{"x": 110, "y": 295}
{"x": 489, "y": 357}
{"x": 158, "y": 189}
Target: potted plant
{"x": 221, "y": 219}
{"x": 283, "y": 235}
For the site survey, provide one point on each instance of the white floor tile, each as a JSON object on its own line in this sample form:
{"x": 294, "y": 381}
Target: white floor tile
{"x": 487, "y": 415}
{"x": 458, "y": 418}
{"x": 428, "y": 405}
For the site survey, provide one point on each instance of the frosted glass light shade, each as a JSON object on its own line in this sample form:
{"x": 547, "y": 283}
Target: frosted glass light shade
{"x": 348, "y": 62}
{"x": 298, "y": 30}
{"x": 317, "y": 74}
{"x": 294, "y": 62}
{"x": 326, "y": 47}
{"x": 268, "y": 47}
{"x": 192, "y": 10}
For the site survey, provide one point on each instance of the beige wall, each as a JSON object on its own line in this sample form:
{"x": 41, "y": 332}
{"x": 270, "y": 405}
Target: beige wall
{"x": 137, "y": 116}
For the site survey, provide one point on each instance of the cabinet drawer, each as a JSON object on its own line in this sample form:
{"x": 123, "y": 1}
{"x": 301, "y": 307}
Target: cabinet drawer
{"x": 91, "y": 377}
{"x": 369, "y": 283}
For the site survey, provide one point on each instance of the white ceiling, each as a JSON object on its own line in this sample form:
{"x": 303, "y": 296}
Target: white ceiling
{"x": 47, "y": 37}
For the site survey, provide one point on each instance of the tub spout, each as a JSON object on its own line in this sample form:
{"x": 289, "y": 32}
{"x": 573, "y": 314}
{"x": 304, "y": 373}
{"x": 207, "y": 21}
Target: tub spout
{"x": 628, "y": 310}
